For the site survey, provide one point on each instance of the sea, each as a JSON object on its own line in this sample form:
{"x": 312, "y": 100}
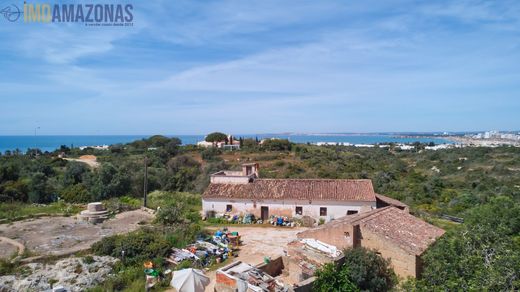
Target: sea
{"x": 51, "y": 143}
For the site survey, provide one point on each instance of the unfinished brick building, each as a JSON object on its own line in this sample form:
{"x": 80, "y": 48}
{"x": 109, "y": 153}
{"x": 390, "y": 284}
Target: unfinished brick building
{"x": 394, "y": 233}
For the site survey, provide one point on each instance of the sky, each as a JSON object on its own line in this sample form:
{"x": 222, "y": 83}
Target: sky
{"x": 268, "y": 66}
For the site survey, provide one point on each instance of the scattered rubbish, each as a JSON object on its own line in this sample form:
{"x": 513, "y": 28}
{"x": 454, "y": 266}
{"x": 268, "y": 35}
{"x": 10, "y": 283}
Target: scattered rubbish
{"x": 321, "y": 246}
{"x": 240, "y": 276}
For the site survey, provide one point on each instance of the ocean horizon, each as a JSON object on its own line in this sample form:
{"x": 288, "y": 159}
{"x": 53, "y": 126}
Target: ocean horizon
{"x": 53, "y": 142}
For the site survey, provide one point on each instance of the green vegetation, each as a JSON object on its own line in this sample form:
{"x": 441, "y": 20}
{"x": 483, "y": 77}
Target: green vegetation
{"x": 482, "y": 254}
{"x": 481, "y": 185}
{"x": 363, "y": 270}
{"x": 17, "y": 210}
{"x": 176, "y": 226}
{"x": 216, "y": 137}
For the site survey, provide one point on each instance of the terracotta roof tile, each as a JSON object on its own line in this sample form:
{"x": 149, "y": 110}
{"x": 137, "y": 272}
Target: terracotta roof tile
{"x": 391, "y": 201}
{"x": 297, "y": 189}
{"x": 407, "y": 231}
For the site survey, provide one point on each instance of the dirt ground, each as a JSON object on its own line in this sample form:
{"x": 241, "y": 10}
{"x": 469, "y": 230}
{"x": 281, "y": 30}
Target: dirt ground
{"x": 65, "y": 235}
{"x": 259, "y": 242}
{"x": 7, "y": 250}
{"x": 90, "y": 160}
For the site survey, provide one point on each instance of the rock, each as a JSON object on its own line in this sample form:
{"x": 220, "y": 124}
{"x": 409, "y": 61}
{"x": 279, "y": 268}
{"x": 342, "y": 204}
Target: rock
{"x": 73, "y": 274}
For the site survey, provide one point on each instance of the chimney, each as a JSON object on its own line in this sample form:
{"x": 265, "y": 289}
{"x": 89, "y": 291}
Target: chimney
{"x": 250, "y": 169}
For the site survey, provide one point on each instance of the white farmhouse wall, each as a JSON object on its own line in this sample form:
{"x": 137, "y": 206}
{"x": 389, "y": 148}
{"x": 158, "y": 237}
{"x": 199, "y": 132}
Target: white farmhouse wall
{"x": 287, "y": 207}
{"x": 229, "y": 179}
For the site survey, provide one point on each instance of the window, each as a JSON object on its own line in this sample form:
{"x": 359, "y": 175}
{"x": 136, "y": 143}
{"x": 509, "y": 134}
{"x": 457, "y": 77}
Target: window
{"x": 229, "y": 208}
{"x": 299, "y": 210}
{"x": 352, "y": 212}
{"x": 323, "y": 211}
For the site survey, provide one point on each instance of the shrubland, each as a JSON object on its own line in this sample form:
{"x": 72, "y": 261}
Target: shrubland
{"x": 480, "y": 185}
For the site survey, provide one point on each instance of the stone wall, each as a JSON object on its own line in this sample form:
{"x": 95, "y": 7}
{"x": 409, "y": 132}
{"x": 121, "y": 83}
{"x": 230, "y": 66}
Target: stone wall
{"x": 403, "y": 263}
{"x": 273, "y": 268}
{"x": 345, "y": 235}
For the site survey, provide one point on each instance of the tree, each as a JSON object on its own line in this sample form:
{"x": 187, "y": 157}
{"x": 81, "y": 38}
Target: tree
{"x": 182, "y": 172}
{"x": 39, "y": 190}
{"x": 363, "y": 270}
{"x": 482, "y": 254}
{"x": 108, "y": 181}
{"x": 158, "y": 141}
{"x": 277, "y": 145}
{"x": 368, "y": 270}
{"x": 333, "y": 278}
{"x": 216, "y": 137}
{"x": 74, "y": 172}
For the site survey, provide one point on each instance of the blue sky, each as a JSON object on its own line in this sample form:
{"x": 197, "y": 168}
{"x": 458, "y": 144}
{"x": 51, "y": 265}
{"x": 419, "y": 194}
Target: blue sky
{"x": 191, "y": 67}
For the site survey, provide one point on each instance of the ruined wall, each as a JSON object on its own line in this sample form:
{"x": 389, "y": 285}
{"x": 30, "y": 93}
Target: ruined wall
{"x": 286, "y": 207}
{"x": 403, "y": 263}
{"x": 273, "y": 268}
{"x": 341, "y": 236}
{"x": 225, "y": 283}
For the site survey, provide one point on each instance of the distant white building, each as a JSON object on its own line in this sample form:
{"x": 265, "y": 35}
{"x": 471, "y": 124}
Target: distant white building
{"x": 230, "y": 144}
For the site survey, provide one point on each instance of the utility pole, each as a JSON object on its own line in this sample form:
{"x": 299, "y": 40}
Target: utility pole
{"x": 145, "y": 188}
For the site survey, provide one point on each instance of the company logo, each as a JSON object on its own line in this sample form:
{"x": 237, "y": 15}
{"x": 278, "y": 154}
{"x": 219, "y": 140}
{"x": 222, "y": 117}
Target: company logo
{"x": 12, "y": 13}
{"x": 87, "y": 14}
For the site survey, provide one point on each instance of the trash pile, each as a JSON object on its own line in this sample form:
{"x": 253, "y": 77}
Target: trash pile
{"x": 153, "y": 276}
{"x": 319, "y": 246}
{"x": 204, "y": 252}
{"x": 241, "y": 276}
{"x": 249, "y": 218}
{"x": 282, "y": 221}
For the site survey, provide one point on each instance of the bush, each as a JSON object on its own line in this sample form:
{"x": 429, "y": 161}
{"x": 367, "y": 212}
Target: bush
{"x": 75, "y": 194}
{"x": 333, "y": 278}
{"x": 210, "y": 154}
{"x": 363, "y": 270}
{"x": 138, "y": 246}
{"x": 368, "y": 270}
{"x": 277, "y": 145}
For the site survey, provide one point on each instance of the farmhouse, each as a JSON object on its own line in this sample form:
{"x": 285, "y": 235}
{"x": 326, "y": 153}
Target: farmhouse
{"x": 394, "y": 233}
{"x": 240, "y": 192}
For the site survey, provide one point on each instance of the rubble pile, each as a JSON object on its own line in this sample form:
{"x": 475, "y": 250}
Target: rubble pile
{"x": 73, "y": 274}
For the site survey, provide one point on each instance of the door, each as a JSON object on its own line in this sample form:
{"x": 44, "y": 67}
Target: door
{"x": 265, "y": 213}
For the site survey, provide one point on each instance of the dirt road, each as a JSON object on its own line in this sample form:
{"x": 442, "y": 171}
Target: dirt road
{"x": 87, "y": 159}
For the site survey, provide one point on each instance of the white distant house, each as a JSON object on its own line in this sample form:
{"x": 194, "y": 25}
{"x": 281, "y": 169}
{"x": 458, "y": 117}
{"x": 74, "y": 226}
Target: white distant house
{"x": 241, "y": 192}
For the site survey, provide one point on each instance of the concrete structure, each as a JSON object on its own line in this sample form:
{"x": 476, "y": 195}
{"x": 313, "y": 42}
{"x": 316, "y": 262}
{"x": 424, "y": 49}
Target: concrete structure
{"x": 394, "y": 233}
{"x": 95, "y": 213}
{"x": 240, "y": 192}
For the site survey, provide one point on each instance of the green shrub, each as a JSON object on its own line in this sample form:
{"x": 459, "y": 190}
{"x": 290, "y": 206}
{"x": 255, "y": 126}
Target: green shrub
{"x": 138, "y": 246}
{"x": 88, "y": 260}
{"x": 77, "y": 193}
{"x": 363, "y": 270}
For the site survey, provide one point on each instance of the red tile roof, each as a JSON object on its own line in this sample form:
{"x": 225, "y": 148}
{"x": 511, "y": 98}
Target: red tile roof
{"x": 406, "y": 231}
{"x": 296, "y": 189}
{"x": 391, "y": 201}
